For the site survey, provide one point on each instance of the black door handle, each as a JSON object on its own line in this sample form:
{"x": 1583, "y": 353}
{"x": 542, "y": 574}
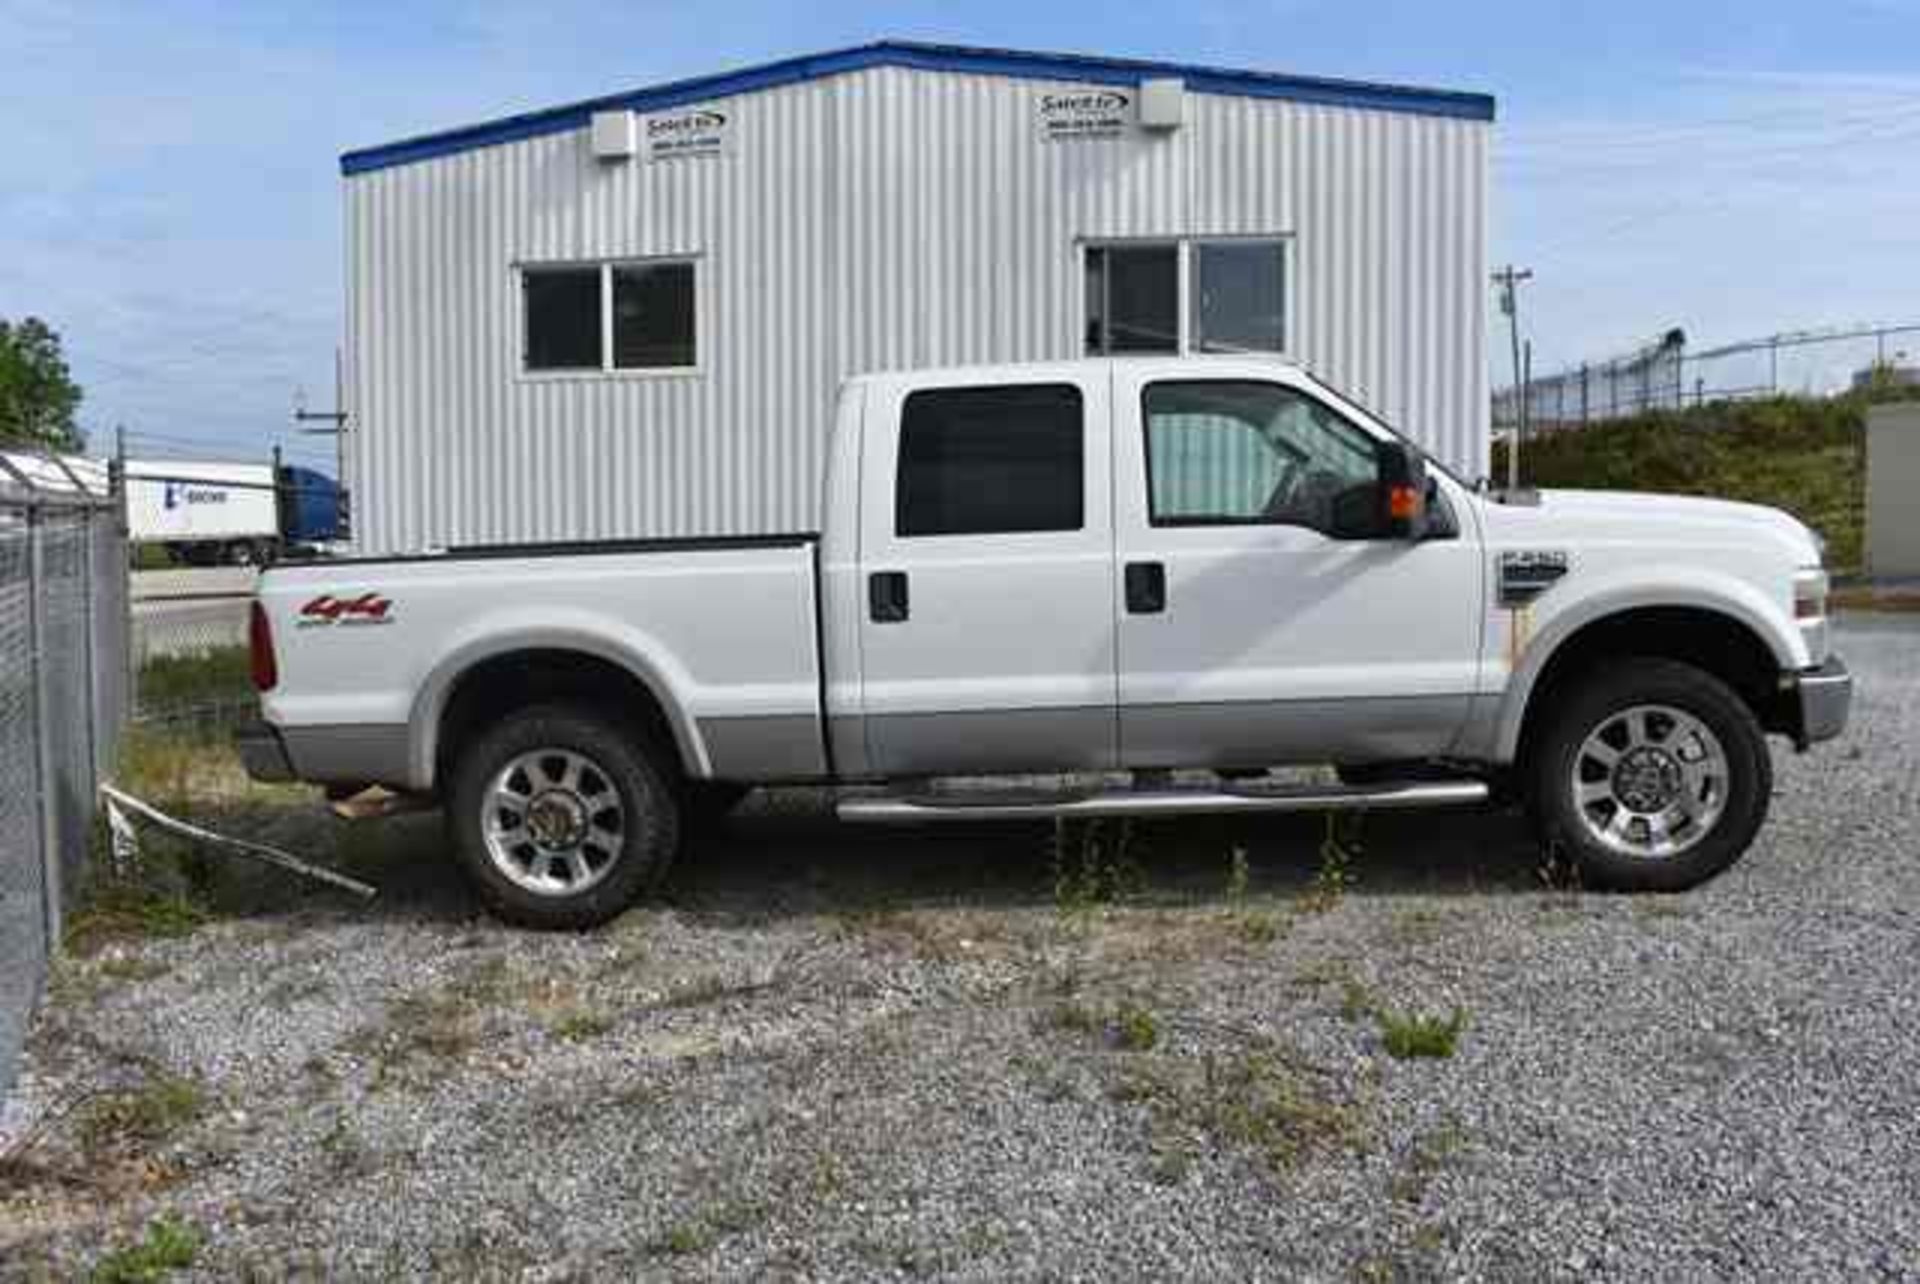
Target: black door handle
{"x": 1146, "y": 588}
{"x": 887, "y": 596}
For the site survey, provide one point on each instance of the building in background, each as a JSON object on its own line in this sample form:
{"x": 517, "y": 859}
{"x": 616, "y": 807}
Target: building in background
{"x": 1890, "y": 375}
{"x": 1893, "y": 479}
{"x": 629, "y": 317}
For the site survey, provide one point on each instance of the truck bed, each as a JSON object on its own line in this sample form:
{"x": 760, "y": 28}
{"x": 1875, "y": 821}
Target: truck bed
{"x": 725, "y": 631}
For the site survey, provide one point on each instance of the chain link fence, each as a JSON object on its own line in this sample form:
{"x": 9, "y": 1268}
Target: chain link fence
{"x": 64, "y": 699}
{"x": 1667, "y": 374}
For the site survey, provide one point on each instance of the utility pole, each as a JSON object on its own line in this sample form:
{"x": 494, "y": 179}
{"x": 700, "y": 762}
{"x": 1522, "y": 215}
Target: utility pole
{"x": 1509, "y": 279}
{"x": 338, "y": 418}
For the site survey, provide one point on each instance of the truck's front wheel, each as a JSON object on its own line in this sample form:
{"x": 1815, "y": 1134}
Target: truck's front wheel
{"x": 1652, "y": 775}
{"x": 560, "y": 819}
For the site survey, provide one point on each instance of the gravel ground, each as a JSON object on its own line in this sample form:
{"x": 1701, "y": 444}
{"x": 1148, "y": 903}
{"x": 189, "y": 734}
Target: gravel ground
{"x": 867, "y": 1054}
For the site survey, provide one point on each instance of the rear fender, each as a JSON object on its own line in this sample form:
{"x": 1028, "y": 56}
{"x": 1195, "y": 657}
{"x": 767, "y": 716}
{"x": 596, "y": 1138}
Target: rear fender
{"x": 582, "y": 632}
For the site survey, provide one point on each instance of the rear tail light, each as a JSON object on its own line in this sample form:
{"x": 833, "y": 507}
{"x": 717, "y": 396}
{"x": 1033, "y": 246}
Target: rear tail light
{"x": 266, "y": 671}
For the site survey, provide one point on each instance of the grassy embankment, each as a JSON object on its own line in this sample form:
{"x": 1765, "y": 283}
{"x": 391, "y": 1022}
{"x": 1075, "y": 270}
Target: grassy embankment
{"x": 1801, "y": 454}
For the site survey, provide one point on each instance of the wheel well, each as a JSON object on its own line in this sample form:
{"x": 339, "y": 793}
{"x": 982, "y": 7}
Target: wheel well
{"x": 1708, "y": 640}
{"x": 500, "y": 684}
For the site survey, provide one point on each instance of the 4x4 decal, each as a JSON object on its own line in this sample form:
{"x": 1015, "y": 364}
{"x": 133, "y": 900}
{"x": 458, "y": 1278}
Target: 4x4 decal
{"x": 368, "y": 608}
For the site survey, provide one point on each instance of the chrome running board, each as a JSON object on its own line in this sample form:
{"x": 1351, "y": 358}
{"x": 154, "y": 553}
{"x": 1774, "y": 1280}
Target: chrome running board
{"x": 916, "y": 809}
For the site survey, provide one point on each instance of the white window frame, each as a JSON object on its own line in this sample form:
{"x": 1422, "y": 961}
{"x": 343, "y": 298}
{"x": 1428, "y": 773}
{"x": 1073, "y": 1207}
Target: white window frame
{"x": 1186, "y": 302}
{"x": 607, "y": 370}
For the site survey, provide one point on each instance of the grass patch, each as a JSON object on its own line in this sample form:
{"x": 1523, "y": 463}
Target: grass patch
{"x": 1134, "y": 1028}
{"x": 708, "y": 1227}
{"x": 217, "y": 675}
{"x": 1410, "y": 1036}
{"x": 141, "y": 1118}
{"x": 169, "y": 1245}
{"x": 1252, "y": 1101}
{"x": 1356, "y": 1000}
{"x": 1803, "y": 454}
{"x": 581, "y": 1025}
{"x": 1127, "y": 1026}
{"x": 437, "y": 1026}
{"x": 128, "y": 968}
{"x": 131, "y": 908}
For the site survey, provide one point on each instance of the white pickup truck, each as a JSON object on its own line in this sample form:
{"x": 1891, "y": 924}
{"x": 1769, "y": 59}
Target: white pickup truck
{"x": 1102, "y": 571}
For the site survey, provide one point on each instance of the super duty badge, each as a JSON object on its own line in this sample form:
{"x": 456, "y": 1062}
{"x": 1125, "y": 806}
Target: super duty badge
{"x": 1527, "y": 573}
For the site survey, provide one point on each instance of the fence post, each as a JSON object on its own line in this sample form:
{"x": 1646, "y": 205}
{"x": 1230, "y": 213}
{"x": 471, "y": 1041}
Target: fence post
{"x": 45, "y": 769}
{"x": 88, "y": 577}
{"x": 117, "y": 489}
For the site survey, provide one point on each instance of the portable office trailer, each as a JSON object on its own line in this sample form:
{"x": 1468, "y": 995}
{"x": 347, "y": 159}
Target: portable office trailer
{"x": 629, "y": 317}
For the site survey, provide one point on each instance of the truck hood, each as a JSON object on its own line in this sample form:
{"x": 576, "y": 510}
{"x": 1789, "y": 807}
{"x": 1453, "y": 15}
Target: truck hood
{"x": 1633, "y": 517}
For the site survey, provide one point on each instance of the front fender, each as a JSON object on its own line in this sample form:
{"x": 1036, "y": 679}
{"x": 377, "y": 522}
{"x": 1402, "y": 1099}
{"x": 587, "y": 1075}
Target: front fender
{"x": 1537, "y": 632}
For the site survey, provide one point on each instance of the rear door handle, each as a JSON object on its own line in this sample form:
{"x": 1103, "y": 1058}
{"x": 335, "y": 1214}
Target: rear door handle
{"x": 1146, "y": 588}
{"x": 887, "y": 596}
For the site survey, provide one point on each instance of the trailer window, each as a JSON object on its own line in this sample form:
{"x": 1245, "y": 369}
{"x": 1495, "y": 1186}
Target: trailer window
{"x": 609, "y": 317}
{"x": 652, "y": 315}
{"x": 979, "y": 461}
{"x": 1231, "y": 291}
{"x": 562, "y": 318}
{"x": 1239, "y": 296}
{"x": 1133, "y": 298}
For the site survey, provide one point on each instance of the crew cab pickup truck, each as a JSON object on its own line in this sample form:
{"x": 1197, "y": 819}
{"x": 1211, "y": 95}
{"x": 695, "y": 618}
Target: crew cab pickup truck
{"x": 1124, "y": 574}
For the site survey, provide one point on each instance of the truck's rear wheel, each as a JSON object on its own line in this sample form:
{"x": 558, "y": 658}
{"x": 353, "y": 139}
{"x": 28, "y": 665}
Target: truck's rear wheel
{"x": 1652, "y": 775}
{"x": 562, "y": 820}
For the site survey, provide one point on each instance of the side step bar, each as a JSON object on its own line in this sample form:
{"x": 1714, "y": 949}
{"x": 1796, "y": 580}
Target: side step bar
{"x": 918, "y": 809}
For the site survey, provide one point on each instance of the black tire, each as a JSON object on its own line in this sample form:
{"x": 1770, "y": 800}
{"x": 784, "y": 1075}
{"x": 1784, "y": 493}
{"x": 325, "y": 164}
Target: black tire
{"x": 1584, "y": 705}
{"x": 636, "y": 772}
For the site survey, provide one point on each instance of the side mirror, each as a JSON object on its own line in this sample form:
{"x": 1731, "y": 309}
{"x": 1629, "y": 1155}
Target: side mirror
{"x": 1402, "y": 492}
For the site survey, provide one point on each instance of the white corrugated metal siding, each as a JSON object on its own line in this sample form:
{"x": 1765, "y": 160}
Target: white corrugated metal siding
{"x": 884, "y": 218}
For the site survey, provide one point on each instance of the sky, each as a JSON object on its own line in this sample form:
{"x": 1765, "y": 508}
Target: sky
{"x": 170, "y": 197}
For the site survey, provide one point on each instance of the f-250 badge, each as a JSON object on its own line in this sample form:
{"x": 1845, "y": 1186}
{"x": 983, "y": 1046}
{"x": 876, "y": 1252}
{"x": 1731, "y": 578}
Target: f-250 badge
{"x": 1527, "y": 573}
{"x": 327, "y": 610}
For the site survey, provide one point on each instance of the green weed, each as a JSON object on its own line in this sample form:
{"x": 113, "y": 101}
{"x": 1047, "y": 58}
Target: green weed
{"x": 1414, "y": 1035}
{"x": 1339, "y": 850}
{"x": 169, "y": 1245}
{"x": 1093, "y": 864}
{"x": 583, "y": 1024}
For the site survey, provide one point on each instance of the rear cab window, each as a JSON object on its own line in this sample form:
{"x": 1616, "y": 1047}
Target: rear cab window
{"x": 991, "y": 460}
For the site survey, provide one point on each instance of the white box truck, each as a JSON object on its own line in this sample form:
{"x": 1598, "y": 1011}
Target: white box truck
{"x": 204, "y": 513}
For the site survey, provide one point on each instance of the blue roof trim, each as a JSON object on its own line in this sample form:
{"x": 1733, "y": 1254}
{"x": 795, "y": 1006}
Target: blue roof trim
{"x": 927, "y": 57}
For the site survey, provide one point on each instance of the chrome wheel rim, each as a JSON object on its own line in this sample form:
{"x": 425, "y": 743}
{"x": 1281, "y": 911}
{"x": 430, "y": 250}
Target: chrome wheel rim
{"x": 553, "y": 821}
{"x": 1650, "y": 781}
